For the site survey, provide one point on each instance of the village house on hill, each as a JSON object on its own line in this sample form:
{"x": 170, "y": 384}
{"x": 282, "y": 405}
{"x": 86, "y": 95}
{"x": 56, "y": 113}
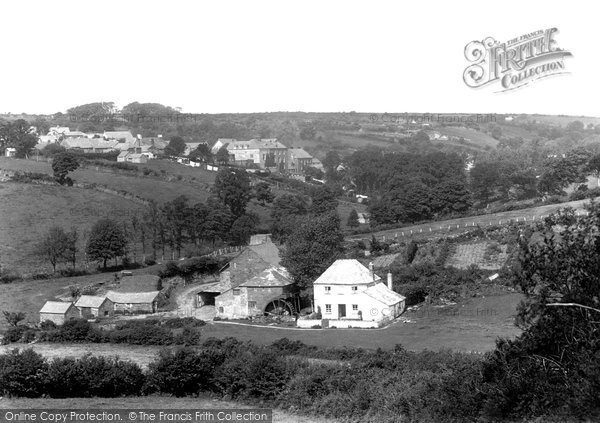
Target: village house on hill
{"x": 348, "y": 294}
{"x": 252, "y": 284}
{"x": 58, "y": 312}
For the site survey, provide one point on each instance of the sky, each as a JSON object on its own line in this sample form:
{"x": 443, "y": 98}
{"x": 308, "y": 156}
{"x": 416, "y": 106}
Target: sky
{"x": 231, "y": 56}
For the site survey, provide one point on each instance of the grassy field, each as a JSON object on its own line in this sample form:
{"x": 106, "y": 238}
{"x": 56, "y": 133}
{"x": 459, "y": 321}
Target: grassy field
{"x": 28, "y": 211}
{"x": 466, "y": 255}
{"x": 147, "y": 403}
{"x": 477, "y": 137}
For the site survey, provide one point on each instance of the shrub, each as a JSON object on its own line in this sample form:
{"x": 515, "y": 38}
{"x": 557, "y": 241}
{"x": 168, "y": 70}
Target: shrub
{"x": 22, "y": 374}
{"x": 75, "y": 330}
{"x": 180, "y": 372}
{"x": 14, "y": 334}
{"x": 7, "y": 276}
{"x": 47, "y": 325}
{"x": 93, "y": 377}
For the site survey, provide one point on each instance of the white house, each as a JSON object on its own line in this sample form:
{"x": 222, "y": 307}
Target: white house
{"x": 10, "y": 152}
{"x": 348, "y": 294}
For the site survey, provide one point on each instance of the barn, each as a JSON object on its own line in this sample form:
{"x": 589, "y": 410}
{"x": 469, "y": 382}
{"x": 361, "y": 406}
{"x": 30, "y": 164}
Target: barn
{"x": 58, "y": 312}
{"x": 91, "y": 306}
{"x": 134, "y": 302}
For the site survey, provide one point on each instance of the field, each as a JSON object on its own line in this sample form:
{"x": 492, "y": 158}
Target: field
{"x": 28, "y": 211}
{"x": 466, "y": 255}
{"x": 148, "y": 403}
{"x": 473, "y": 136}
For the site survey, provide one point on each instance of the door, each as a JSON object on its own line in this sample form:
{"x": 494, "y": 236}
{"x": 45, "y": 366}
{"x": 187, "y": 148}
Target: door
{"x": 341, "y": 310}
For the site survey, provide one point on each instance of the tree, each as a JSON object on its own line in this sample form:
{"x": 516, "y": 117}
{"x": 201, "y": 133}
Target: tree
{"x": 176, "y": 146}
{"x": 312, "y": 248}
{"x": 13, "y": 317}
{"x": 53, "y": 246}
{"x": 176, "y": 215}
{"x": 243, "y": 227}
{"x": 270, "y": 160}
{"x": 17, "y": 135}
{"x": 62, "y": 164}
{"x": 72, "y": 250}
{"x": 222, "y": 156}
{"x": 285, "y": 214}
{"x": 450, "y": 196}
{"x": 106, "y": 241}
{"x": 202, "y": 153}
{"x": 263, "y": 193}
{"x": 352, "y": 221}
{"x": 323, "y": 200}
{"x": 548, "y": 368}
{"x": 218, "y": 221}
{"x": 232, "y": 187}
{"x": 593, "y": 166}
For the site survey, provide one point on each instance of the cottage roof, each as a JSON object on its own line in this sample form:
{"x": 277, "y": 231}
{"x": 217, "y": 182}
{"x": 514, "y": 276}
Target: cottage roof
{"x": 267, "y": 251}
{"x": 118, "y": 135}
{"x": 84, "y": 142}
{"x": 273, "y": 276}
{"x": 56, "y": 307}
{"x": 92, "y": 301}
{"x": 383, "y": 294}
{"x": 385, "y": 261}
{"x": 346, "y": 272}
{"x": 299, "y": 153}
{"x": 132, "y": 297}
{"x": 259, "y": 239}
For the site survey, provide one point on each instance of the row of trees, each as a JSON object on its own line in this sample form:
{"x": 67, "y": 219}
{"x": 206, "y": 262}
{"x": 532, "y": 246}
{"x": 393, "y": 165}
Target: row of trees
{"x": 18, "y": 135}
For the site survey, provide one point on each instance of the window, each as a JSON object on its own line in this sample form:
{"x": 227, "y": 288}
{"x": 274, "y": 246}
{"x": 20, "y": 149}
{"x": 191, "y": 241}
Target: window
{"x": 327, "y": 308}
{"x": 220, "y": 309}
{"x": 354, "y": 307}
{"x": 327, "y": 289}
{"x": 236, "y": 292}
{"x": 251, "y": 304}
{"x": 355, "y": 288}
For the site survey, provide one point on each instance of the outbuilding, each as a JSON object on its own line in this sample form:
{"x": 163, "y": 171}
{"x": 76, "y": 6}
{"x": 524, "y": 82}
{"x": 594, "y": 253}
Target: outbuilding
{"x": 134, "y": 302}
{"x": 91, "y": 306}
{"x": 58, "y": 312}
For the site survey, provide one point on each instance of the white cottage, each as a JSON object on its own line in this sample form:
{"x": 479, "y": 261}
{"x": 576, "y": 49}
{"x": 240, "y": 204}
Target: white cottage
{"x": 350, "y": 295}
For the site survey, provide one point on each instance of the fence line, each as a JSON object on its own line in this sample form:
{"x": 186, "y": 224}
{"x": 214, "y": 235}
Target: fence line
{"x": 401, "y": 234}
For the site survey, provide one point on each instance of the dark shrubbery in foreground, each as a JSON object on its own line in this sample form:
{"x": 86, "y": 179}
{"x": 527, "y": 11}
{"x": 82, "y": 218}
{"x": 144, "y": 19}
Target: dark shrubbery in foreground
{"x": 352, "y": 384}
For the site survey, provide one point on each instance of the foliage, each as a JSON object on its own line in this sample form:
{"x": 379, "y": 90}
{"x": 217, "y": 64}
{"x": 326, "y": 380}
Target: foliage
{"x": 56, "y": 246}
{"x": 312, "y": 248}
{"x": 13, "y": 317}
{"x": 176, "y": 146}
{"x": 22, "y": 374}
{"x": 262, "y": 192}
{"x": 232, "y": 187}
{"x": 352, "y": 221}
{"x": 17, "y": 135}
{"x": 106, "y": 241}
{"x": 62, "y": 164}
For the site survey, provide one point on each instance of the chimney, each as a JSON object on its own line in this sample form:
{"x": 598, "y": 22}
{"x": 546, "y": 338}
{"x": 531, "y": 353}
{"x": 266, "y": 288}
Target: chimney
{"x": 372, "y": 271}
{"x": 389, "y": 281}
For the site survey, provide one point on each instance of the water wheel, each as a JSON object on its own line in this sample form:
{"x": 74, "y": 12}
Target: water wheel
{"x": 279, "y": 308}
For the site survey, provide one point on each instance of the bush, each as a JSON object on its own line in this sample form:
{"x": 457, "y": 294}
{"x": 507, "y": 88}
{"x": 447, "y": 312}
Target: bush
{"x": 13, "y": 334}
{"x": 93, "y": 377}
{"x": 47, "y": 325}
{"x": 75, "y": 330}
{"x": 22, "y": 374}
{"x": 7, "y": 276}
{"x": 181, "y": 372}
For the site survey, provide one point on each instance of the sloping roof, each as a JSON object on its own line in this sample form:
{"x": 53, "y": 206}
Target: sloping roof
{"x": 117, "y": 135}
{"x": 84, "y": 142}
{"x": 273, "y": 276}
{"x": 92, "y": 301}
{"x": 346, "y": 272}
{"x": 74, "y": 134}
{"x": 259, "y": 239}
{"x": 132, "y": 297}
{"x": 56, "y": 307}
{"x": 383, "y": 294}
{"x": 385, "y": 261}
{"x": 299, "y": 153}
{"x": 267, "y": 251}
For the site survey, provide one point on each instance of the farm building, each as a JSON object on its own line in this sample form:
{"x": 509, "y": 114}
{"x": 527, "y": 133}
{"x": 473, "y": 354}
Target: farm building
{"x": 348, "y": 293}
{"x": 134, "y": 302}
{"x": 253, "y": 283}
{"x": 94, "y": 306}
{"x": 10, "y": 152}
{"x": 58, "y": 312}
